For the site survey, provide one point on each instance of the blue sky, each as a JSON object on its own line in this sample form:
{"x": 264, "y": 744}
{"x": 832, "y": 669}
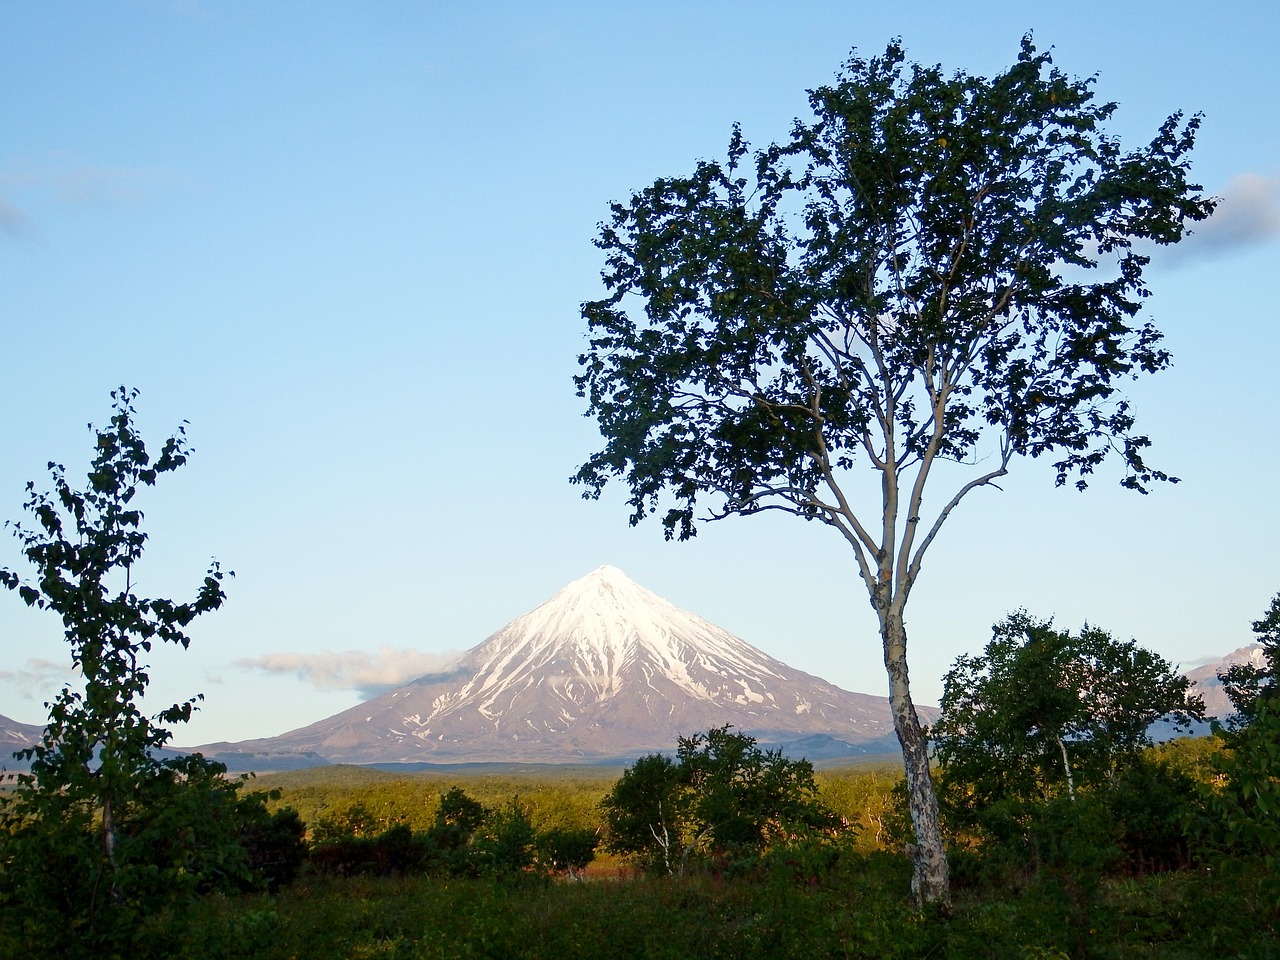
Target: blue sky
{"x": 348, "y": 243}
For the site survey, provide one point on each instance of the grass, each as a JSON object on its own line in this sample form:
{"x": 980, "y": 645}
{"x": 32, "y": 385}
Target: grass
{"x": 860, "y": 911}
{"x": 776, "y": 910}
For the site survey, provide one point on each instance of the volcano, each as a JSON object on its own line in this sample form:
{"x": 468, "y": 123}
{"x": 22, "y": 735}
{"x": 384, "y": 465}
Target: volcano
{"x": 604, "y": 670}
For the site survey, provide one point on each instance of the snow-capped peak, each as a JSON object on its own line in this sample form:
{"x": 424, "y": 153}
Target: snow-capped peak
{"x": 604, "y": 628}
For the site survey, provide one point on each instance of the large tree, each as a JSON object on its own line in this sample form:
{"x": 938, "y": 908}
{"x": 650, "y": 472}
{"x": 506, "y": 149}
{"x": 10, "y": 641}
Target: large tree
{"x": 935, "y": 268}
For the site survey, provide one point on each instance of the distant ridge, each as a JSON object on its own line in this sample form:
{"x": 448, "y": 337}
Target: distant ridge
{"x": 16, "y": 736}
{"x": 604, "y": 670}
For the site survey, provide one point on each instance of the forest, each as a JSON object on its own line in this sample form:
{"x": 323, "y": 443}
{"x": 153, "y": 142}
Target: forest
{"x": 1169, "y": 861}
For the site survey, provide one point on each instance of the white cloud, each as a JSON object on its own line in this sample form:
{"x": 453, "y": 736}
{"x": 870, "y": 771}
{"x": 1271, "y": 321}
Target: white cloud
{"x": 369, "y": 673}
{"x": 1249, "y": 215}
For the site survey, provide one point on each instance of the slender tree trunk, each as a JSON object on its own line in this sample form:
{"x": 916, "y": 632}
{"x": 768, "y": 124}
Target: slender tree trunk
{"x": 1066, "y": 768}
{"x": 930, "y": 879}
{"x": 109, "y": 847}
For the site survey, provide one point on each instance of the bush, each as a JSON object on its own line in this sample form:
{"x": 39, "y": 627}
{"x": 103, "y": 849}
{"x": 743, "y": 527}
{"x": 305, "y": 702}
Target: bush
{"x": 567, "y": 850}
{"x": 1155, "y": 808}
{"x": 722, "y": 799}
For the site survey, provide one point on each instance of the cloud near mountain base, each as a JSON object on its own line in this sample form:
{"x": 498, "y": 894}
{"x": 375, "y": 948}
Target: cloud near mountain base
{"x": 369, "y": 673}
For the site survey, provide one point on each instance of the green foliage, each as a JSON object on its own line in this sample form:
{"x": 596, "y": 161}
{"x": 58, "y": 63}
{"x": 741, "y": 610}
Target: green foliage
{"x": 645, "y": 814}
{"x": 554, "y": 797}
{"x": 1043, "y": 711}
{"x": 1156, "y": 809}
{"x": 1247, "y": 806}
{"x": 465, "y": 839}
{"x": 868, "y": 800}
{"x": 927, "y": 234}
{"x": 505, "y": 842}
{"x": 104, "y": 827}
{"x": 1143, "y": 820}
{"x": 568, "y": 850}
{"x": 1248, "y": 686}
{"x": 720, "y": 797}
{"x": 858, "y": 910}
{"x": 354, "y": 821}
{"x": 396, "y": 851}
{"x": 802, "y": 899}
{"x": 1243, "y": 799}
{"x": 273, "y": 842}
{"x": 1045, "y": 776}
{"x": 1193, "y": 756}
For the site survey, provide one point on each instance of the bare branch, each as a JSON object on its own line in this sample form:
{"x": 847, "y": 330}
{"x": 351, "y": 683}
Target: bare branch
{"x": 984, "y": 480}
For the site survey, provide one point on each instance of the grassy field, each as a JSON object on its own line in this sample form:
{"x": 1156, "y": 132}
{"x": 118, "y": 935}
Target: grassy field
{"x": 783, "y": 907}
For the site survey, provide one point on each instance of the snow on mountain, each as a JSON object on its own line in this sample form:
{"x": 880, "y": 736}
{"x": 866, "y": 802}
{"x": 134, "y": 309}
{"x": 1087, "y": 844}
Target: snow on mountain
{"x": 15, "y": 736}
{"x": 603, "y": 670}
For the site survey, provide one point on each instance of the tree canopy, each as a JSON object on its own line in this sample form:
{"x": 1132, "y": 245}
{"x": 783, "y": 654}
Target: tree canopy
{"x": 933, "y": 257}
{"x": 1042, "y": 711}
{"x": 936, "y": 267}
{"x": 1249, "y": 801}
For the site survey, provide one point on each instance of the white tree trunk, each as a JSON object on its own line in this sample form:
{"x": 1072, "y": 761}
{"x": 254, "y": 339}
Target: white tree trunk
{"x": 1066, "y": 767}
{"x": 930, "y": 879}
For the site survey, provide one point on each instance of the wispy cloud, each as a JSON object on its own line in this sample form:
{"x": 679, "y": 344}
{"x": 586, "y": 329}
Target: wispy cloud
{"x": 67, "y": 178}
{"x": 12, "y": 220}
{"x": 64, "y": 179}
{"x": 369, "y": 673}
{"x": 1249, "y": 215}
{"x": 37, "y": 678}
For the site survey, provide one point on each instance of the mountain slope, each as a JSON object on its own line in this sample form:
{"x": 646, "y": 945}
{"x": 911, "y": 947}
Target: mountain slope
{"x": 1207, "y": 684}
{"x": 603, "y": 670}
{"x": 15, "y": 736}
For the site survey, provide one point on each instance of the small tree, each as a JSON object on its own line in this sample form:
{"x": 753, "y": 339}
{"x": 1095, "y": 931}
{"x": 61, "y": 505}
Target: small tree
{"x": 721, "y": 796}
{"x": 1043, "y": 711}
{"x": 568, "y": 849}
{"x": 937, "y": 268}
{"x": 1248, "y": 805}
{"x": 80, "y": 819}
{"x": 506, "y": 843}
{"x": 1247, "y": 685}
{"x": 646, "y": 814}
